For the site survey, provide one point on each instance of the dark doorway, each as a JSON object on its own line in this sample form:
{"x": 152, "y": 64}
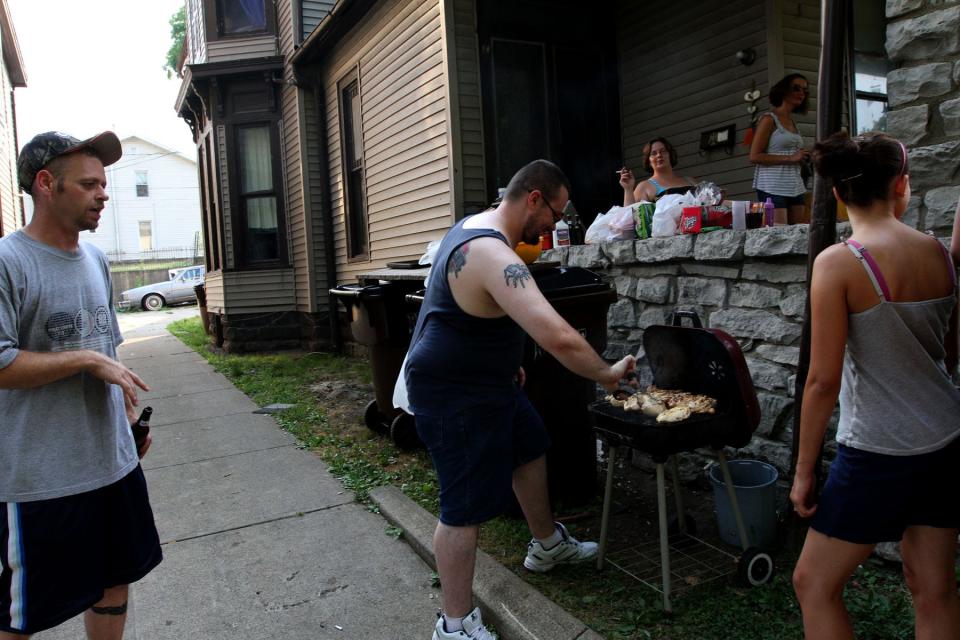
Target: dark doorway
{"x": 550, "y": 90}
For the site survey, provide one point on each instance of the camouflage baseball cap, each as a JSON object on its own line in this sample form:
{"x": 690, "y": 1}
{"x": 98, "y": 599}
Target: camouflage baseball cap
{"x": 44, "y": 147}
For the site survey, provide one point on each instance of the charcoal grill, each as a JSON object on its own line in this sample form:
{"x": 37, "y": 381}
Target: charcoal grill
{"x": 704, "y": 361}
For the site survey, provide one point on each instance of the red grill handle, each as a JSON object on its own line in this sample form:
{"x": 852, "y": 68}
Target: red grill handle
{"x": 680, "y": 314}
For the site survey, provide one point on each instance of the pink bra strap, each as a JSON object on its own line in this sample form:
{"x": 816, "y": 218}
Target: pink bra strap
{"x": 950, "y": 266}
{"x": 873, "y": 269}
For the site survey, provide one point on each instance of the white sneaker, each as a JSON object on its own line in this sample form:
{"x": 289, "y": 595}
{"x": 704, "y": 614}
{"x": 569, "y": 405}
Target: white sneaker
{"x": 568, "y": 551}
{"x": 473, "y": 629}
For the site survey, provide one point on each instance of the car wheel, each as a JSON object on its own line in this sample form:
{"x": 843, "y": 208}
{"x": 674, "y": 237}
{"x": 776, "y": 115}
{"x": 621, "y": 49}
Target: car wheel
{"x": 152, "y": 302}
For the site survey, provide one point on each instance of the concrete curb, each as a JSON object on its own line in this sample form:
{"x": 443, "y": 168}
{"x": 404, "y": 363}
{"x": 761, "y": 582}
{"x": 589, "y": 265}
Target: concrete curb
{"x": 517, "y": 610}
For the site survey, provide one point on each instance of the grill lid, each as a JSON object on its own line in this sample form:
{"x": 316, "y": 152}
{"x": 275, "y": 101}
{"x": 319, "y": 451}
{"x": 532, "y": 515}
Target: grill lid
{"x": 707, "y": 361}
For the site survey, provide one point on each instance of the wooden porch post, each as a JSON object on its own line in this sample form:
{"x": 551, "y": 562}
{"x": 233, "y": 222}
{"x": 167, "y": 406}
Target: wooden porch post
{"x": 823, "y": 223}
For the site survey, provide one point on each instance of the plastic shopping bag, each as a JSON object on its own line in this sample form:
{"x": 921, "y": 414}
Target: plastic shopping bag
{"x": 615, "y": 224}
{"x": 400, "y": 400}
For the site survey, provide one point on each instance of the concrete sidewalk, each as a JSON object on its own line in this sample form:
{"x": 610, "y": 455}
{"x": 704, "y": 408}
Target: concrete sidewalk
{"x": 259, "y": 540}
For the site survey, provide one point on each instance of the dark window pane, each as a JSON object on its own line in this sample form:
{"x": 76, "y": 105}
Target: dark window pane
{"x": 242, "y": 16}
{"x": 353, "y": 169}
{"x": 263, "y": 238}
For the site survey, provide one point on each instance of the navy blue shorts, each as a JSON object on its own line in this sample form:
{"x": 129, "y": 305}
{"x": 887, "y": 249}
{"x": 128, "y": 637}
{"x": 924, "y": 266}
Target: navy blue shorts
{"x": 871, "y": 497}
{"x": 59, "y": 555}
{"x": 475, "y": 453}
{"x": 781, "y": 202}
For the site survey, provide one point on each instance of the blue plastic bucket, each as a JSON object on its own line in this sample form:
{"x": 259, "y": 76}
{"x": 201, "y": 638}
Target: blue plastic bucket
{"x": 755, "y": 484}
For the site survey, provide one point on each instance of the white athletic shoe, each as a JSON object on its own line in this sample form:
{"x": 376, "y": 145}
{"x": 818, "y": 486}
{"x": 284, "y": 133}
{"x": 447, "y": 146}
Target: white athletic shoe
{"x": 568, "y": 551}
{"x": 473, "y": 629}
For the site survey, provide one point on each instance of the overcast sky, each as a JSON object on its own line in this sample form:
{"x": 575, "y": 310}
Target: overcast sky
{"x": 93, "y": 65}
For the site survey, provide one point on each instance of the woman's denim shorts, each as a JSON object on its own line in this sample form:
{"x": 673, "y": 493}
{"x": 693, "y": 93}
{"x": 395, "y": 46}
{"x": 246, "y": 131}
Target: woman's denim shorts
{"x": 871, "y": 497}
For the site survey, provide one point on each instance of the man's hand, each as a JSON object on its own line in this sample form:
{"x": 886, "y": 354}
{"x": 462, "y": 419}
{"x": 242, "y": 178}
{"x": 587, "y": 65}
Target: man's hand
{"x": 111, "y": 371}
{"x": 142, "y": 451}
{"x": 619, "y": 371}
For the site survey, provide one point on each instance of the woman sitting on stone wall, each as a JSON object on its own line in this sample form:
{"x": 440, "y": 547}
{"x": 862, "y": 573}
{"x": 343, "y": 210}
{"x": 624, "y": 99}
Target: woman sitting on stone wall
{"x": 880, "y": 306}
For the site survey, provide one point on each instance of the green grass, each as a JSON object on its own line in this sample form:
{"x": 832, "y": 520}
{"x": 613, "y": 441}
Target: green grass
{"x": 611, "y": 603}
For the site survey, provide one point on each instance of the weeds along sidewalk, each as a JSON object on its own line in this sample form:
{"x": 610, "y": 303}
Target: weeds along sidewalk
{"x": 329, "y": 393}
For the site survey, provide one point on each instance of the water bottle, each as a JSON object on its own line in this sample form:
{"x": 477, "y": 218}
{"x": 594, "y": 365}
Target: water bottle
{"x": 561, "y": 234}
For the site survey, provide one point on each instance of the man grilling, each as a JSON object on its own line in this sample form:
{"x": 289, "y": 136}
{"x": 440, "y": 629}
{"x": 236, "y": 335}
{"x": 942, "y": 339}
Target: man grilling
{"x": 464, "y": 382}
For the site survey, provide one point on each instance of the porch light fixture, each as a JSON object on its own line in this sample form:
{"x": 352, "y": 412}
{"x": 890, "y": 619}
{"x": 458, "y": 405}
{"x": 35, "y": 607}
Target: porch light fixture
{"x": 746, "y": 56}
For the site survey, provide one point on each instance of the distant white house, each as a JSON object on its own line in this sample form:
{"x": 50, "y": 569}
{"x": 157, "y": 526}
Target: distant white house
{"x": 154, "y": 205}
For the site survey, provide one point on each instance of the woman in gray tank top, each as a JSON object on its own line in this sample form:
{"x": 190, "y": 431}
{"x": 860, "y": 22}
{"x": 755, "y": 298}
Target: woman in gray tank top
{"x": 880, "y": 309}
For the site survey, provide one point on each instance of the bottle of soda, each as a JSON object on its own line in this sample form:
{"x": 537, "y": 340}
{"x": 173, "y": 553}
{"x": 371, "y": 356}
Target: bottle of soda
{"x": 141, "y": 427}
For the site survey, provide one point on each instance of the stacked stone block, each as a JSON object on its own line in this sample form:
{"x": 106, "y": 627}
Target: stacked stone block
{"x": 923, "y": 44}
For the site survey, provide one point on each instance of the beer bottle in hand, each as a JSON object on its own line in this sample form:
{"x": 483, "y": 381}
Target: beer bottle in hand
{"x": 141, "y": 427}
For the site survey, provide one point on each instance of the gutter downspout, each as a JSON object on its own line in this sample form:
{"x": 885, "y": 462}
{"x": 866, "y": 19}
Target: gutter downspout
{"x": 327, "y": 215}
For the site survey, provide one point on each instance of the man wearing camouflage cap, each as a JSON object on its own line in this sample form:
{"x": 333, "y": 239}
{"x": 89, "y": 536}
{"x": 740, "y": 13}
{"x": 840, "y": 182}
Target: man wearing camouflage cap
{"x": 76, "y": 526}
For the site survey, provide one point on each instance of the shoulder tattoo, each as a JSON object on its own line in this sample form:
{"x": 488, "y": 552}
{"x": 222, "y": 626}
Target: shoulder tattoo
{"x": 458, "y": 260}
{"x": 516, "y": 275}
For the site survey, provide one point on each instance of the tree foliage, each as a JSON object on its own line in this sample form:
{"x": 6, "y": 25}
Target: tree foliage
{"x": 178, "y": 32}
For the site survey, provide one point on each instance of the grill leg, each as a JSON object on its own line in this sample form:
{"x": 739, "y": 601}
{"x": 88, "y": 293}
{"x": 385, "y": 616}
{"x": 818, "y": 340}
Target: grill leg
{"x": 678, "y": 494}
{"x": 607, "y": 500}
{"x": 732, "y": 495}
{"x": 664, "y": 537}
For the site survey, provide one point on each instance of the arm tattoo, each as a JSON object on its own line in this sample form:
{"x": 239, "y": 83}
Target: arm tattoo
{"x": 458, "y": 259}
{"x": 516, "y": 274}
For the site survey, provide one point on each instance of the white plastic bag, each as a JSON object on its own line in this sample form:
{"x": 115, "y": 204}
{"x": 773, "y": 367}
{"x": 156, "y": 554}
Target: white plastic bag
{"x": 400, "y": 400}
{"x": 666, "y": 216}
{"x": 615, "y": 224}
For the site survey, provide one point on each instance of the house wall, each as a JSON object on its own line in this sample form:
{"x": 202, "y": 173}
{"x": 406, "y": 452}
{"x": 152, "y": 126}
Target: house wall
{"x": 679, "y": 76}
{"x": 261, "y": 291}
{"x": 398, "y": 50}
{"x": 467, "y": 56}
{"x": 799, "y": 29}
{"x": 10, "y": 208}
{"x": 298, "y": 231}
{"x": 242, "y": 48}
{"x": 313, "y": 12}
{"x": 172, "y": 206}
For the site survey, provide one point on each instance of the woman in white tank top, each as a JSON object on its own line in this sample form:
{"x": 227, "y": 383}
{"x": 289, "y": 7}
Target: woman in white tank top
{"x": 880, "y": 309}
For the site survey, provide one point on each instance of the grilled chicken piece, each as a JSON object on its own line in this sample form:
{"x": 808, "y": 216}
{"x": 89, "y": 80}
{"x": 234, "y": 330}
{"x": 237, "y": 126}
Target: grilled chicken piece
{"x": 676, "y": 414}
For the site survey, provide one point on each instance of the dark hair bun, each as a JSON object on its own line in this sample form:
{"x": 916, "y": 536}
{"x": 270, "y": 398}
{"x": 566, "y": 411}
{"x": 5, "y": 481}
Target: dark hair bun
{"x": 837, "y": 157}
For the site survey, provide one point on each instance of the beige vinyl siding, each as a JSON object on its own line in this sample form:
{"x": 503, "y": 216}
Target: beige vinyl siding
{"x": 313, "y": 12}
{"x": 679, "y": 77}
{"x": 9, "y": 191}
{"x": 253, "y": 291}
{"x": 800, "y": 29}
{"x": 223, "y": 177}
{"x": 298, "y": 231}
{"x": 466, "y": 52}
{"x": 404, "y": 125}
{"x": 242, "y": 48}
{"x": 197, "y": 32}
{"x": 213, "y": 285}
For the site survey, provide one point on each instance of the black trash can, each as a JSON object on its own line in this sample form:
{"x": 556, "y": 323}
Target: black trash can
{"x": 379, "y": 320}
{"x": 561, "y": 397}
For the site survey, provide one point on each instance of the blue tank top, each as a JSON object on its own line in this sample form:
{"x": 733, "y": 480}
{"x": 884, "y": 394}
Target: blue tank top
{"x": 458, "y": 361}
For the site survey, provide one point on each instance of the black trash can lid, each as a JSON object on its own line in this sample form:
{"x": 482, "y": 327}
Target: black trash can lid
{"x": 568, "y": 281}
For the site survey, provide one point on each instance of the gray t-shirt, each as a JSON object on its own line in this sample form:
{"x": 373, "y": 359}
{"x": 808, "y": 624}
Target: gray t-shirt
{"x": 70, "y": 436}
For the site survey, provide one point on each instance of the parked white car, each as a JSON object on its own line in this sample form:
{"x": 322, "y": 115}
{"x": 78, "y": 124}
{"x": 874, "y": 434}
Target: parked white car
{"x": 178, "y": 289}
